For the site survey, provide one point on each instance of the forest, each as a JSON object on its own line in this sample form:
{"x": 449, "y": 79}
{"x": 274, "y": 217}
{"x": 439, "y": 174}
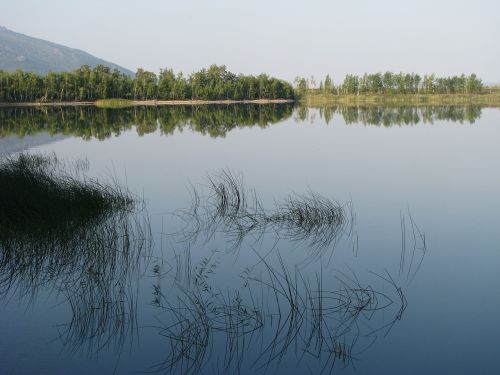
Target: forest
{"x": 215, "y": 83}
{"x": 389, "y": 83}
{"x": 100, "y": 82}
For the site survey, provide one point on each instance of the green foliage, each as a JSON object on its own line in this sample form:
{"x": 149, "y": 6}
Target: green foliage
{"x": 390, "y": 83}
{"x": 328, "y": 86}
{"x": 301, "y": 86}
{"x": 86, "y": 84}
{"x": 114, "y": 103}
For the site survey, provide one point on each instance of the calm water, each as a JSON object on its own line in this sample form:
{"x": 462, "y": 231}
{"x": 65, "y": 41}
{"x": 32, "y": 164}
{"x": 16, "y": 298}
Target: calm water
{"x": 403, "y": 280}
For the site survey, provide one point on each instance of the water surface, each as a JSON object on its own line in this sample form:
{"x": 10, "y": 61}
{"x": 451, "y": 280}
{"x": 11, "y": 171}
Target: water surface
{"x": 406, "y": 282}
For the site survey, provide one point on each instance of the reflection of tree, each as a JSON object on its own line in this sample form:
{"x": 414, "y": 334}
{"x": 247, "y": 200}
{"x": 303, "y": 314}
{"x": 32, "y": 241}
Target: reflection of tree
{"x": 212, "y": 120}
{"x": 389, "y": 116}
{"x": 100, "y": 123}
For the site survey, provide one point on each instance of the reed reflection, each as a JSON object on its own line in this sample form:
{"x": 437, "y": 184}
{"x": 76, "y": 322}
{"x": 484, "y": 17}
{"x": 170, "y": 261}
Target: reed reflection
{"x": 275, "y": 311}
{"x": 76, "y": 237}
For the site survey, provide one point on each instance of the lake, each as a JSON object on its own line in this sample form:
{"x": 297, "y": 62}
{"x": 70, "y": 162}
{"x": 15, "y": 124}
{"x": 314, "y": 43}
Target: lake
{"x": 266, "y": 239}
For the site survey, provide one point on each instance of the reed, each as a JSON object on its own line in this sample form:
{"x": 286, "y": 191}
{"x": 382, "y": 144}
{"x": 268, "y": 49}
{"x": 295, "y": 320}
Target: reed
{"x": 278, "y": 312}
{"x": 230, "y": 208}
{"x": 38, "y": 193}
{"x": 77, "y": 238}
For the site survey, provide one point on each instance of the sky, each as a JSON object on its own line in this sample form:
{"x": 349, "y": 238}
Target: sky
{"x": 284, "y": 38}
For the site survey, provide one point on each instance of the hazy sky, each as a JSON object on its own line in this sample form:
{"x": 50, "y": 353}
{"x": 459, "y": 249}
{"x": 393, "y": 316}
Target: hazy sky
{"x": 284, "y": 38}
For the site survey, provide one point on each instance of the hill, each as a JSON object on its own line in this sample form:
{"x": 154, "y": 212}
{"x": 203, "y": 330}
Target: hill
{"x": 19, "y": 51}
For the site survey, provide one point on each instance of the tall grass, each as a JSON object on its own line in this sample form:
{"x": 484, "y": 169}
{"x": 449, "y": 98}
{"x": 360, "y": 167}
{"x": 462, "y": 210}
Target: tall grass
{"x": 78, "y": 238}
{"x": 37, "y": 193}
{"x": 230, "y": 208}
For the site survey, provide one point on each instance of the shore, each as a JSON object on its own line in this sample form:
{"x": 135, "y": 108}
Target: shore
{"x": 133, "y": 103}
{"x": 491, "y": 98}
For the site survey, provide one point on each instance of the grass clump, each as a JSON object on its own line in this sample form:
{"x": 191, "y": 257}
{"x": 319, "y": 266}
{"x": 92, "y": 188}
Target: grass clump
{"x": 74, "y": 235}
{"x": 114, "y": 103}
{"x": 231, "y": 209}
{"x": 36, "y": 193}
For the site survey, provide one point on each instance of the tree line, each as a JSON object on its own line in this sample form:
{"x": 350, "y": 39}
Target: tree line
{"x": 389, "y": 83}
{"x": 100, "y": 82}
{"x": 214, "y": 83}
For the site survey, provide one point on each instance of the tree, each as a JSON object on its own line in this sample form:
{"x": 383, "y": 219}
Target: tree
{"x": 328, "y": 86}
{"x": 301, "y": 86}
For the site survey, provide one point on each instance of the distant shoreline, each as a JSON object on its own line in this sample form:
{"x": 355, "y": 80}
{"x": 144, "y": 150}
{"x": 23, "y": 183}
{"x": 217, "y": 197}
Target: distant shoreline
{"x": 491, "y": 98}
{"x": 136, "y": 103}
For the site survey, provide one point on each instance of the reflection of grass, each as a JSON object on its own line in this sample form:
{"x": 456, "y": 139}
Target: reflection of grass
{"x": 114, "y": 103}
{"x": 276, "y": 312}
{"x": 77, "y": 237}
{"x": 231, "y": 209}
{"x": 36, "y": 194}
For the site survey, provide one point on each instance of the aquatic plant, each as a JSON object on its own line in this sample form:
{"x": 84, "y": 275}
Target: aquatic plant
{"x": 413, "y": 247}
{"x": 39, "y": 194}
{"x": 230, "y": 208}
{"x": 276, "y": 312}
{"x": 77, "y": 238}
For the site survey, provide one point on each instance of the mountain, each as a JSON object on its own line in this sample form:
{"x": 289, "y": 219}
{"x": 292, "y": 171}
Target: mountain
{"x": 19, "y": 51}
